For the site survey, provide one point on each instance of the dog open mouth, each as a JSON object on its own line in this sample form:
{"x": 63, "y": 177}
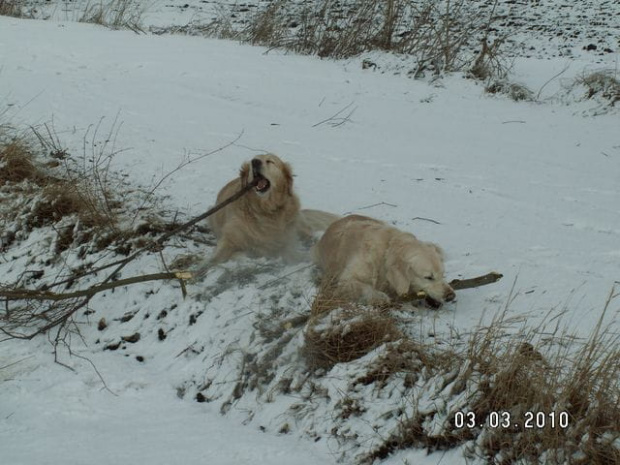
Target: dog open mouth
{"x": 262, "y": 183}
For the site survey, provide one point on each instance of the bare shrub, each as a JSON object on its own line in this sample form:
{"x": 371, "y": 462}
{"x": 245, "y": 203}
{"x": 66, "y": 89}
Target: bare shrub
{"x": 85, "y": 186}
{"x": 489, "y": 64}
{"x": 115, "y": 14}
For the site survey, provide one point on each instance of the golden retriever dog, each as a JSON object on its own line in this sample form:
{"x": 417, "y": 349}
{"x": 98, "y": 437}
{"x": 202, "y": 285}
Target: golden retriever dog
{"x": 371, "y": 262}
{"x": 268, "y": 220}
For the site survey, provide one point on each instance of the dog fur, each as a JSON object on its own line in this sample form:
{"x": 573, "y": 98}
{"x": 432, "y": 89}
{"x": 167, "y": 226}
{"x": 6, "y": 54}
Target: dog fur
{"x": 370, "y": 262}
{"x": 268, "y": 220}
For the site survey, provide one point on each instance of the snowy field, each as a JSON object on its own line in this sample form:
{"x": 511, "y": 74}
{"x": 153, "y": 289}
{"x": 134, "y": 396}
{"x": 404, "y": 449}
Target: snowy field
{"x": 528, "y": 189}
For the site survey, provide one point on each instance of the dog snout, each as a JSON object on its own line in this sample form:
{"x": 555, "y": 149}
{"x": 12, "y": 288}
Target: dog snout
{"x": 449, "y": 295}
{"x": 256, "y": 163}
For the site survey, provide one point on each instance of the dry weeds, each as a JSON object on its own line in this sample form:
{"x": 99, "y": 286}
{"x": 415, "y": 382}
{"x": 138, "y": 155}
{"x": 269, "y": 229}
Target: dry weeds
{"x": 339, "y": 332}
{"x": 11, "y": 8}
{"x": 442, "y": 36}
{"x": 115, "y": 14}
{"x": 604, "y": 84}
{"x": 562, "y": 397}
{"x": 16, "y": 163}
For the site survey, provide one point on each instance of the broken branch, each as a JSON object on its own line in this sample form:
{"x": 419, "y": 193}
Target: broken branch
{"x": 28, "y": 294}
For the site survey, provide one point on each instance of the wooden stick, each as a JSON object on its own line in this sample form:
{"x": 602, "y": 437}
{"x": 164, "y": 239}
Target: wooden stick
{"x": 489, "y": 278}
{"x": 160, "y": 241}
{"x": 459, "y": 284}
{"x": 28, "y": 294}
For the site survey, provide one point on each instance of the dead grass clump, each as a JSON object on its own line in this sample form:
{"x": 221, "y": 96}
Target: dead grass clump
{"x": 405, "y": 358}
{"x": 268, "y": 25}
{"x": 604, "y": 84}
{"x": 115, "y": 14}
{"x": 516, "y": 92}
{"x": 55, "y": 203}
{"x": 11, "y": 8}
{"x": 346, "y": 334}
{"x": 17, "y": 163}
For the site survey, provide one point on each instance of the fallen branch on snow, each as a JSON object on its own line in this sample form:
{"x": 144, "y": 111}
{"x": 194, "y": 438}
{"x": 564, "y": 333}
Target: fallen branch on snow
{"x": 60, "y": 309}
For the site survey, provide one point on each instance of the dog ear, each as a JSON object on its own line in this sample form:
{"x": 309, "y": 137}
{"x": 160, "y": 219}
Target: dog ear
{"x": 437, "y": 249}
{"x": 244, "y": 173}
{"x": 397, "y": 280}
{"x": 395, "y": 273}
{"x": 288, "y": 176}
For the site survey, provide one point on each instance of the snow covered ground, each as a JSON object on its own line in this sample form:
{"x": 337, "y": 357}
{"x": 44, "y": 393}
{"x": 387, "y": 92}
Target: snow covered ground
{"x": 528, "y": 189}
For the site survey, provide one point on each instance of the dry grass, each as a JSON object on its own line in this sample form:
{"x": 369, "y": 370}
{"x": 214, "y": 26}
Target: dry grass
{"x": 532, "y": 387}
{"x": 115, "y": 14}
{"x": 540, "y": 382}
{"x": 604, "y": 84}
{"x": 49, "y": 188}
{"x": 516, "y": 92}
{"x": 17, "y": 163}
{"x": 11, "y": 8}
{"x": 338, "y": 332}
{"x": 442, "y": 36}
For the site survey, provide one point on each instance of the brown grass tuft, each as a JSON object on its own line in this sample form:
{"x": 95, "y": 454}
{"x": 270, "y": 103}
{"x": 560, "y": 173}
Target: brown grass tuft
{"x": 17, "y": 165}
{"x": 11, "y": 8}
{"x": 115, "y": 14}
{"x": 604, "y": 84}
{"x": 514, "y": 91}
{"x": 338, "y": 332}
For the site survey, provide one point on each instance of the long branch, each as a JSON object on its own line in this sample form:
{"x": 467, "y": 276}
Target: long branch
{"x": 160, "y": 241}
{"x": 28, "y": 294}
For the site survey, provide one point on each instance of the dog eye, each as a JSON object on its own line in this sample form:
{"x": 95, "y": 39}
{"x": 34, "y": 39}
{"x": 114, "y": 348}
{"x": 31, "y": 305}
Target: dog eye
{"x": 430, "y": 278}
{"x": 269, "y": 162}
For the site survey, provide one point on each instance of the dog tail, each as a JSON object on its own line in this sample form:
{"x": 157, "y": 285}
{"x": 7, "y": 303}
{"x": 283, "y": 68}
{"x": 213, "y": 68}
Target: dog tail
{"x": 313, "y": 221}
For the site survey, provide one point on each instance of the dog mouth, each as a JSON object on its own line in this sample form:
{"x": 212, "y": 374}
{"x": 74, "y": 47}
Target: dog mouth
{"x": 261, "y": 182}
{"x": 432, "y": 303}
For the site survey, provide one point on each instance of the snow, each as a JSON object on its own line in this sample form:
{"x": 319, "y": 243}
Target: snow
{"x": 529, "y": 189}
{"x": 51, "y": 415}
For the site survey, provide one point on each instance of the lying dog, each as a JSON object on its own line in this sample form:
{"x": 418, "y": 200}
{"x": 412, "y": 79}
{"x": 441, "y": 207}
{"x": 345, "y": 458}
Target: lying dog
{"x": 371, "y": 262}
{"x": 268, "y": 220}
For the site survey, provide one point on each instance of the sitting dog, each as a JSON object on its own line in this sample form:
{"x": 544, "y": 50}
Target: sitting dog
{"x": 268, "y": 220}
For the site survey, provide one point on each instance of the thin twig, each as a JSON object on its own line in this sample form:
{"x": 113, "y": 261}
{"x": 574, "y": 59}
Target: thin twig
{"x": 334, "y": 117}
{"x": 551, "y": 79}
{"x": 425, "y": 219}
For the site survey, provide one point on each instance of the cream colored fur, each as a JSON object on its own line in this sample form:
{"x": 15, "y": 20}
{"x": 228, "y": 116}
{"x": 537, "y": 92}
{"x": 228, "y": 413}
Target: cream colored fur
{"x": 371, "y": 262}
{"x": 258, "y": 224}
{"x": 264, "y": 223}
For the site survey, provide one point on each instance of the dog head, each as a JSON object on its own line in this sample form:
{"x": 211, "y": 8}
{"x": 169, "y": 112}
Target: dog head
{"x": 418, "y": 266}
{"x": 273, "y": 177}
